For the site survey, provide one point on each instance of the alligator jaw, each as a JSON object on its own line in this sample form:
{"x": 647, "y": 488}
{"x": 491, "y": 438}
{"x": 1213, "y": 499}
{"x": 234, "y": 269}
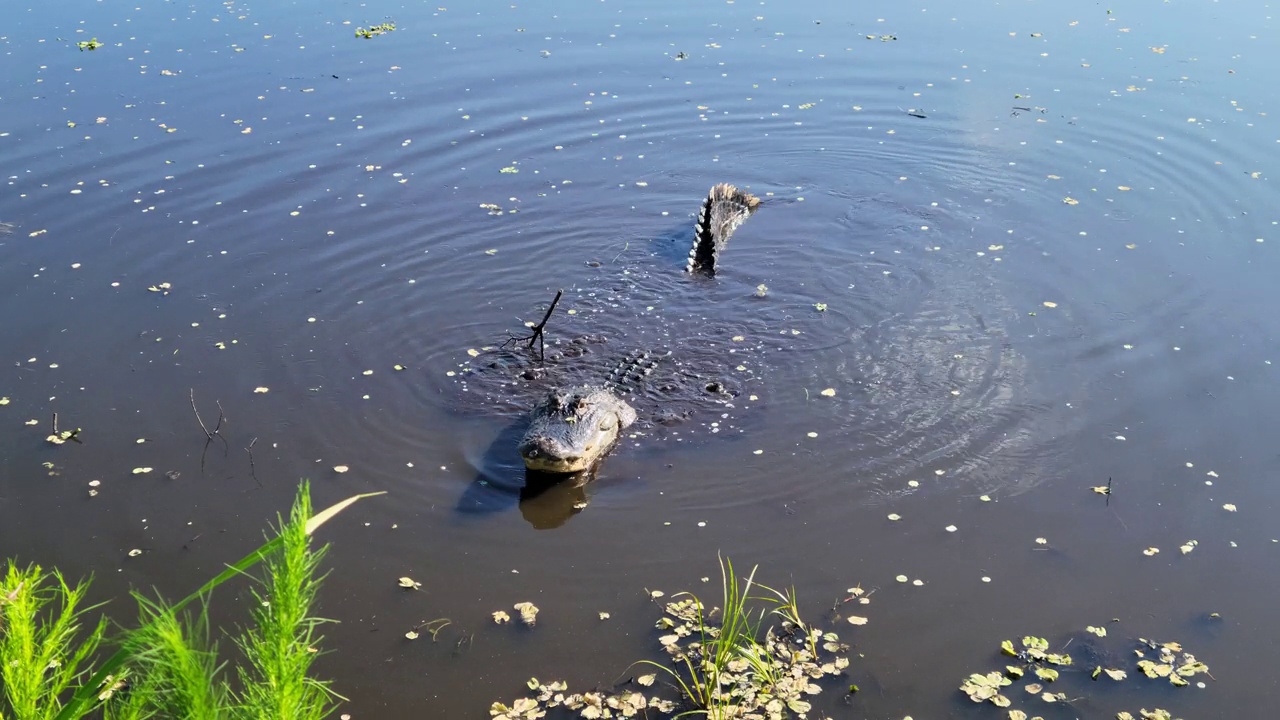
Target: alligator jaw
{"x": 546, "y": 455}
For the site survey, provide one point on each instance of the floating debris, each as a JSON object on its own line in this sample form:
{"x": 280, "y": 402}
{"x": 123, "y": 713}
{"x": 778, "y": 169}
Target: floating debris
{"x": 528, "y": 613}
{"x": 375, "y": 30}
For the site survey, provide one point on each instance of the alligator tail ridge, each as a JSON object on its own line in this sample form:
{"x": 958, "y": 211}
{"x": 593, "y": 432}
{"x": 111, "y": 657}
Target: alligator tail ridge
{"x": 725, "y": 208}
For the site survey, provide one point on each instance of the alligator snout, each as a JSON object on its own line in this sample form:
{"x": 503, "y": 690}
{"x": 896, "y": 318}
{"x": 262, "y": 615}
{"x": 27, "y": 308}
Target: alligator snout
{"x": 549, "y": 455}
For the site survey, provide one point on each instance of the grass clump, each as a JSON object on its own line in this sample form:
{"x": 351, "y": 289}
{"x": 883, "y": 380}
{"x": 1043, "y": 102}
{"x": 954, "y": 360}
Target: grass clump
{"x": 43, "y": 652}
{"x": 281, "y": 642}
{"x": 753, "y": 657}
{"x": 738, "y": 667}
{"x": 168, "y": 665}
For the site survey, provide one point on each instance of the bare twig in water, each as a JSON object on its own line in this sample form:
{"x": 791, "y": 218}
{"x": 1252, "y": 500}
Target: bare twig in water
{"x": 221, "y": 416}
{"x": 217, "y": 428}
{"x": 208, "y": 435}
{"x": 253, "y": 469}
{"x": 55, "y": 423}
{"x": 537, "y": 336}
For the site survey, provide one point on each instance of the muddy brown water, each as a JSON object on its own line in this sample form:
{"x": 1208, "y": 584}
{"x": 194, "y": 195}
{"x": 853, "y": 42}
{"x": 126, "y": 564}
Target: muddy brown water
{"x": 1062, "y": 273}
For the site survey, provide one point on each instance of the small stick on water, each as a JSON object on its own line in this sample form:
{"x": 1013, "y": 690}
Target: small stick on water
{"x": 55, "y": 423}
{"x": 253, "y": 469}
{"x": 537, "y": 335}
{"x": 207, "y": 434}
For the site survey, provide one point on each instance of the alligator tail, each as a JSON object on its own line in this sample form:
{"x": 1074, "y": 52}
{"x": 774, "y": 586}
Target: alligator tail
{"x": 725, "y": 208}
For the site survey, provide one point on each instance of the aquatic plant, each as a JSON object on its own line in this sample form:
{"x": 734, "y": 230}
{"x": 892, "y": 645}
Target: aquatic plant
{"x": 167, "y": 666}
{"x": 375, "y": 30}
{"x": 726, "y": 663}
{"x": 1040, "y": 667}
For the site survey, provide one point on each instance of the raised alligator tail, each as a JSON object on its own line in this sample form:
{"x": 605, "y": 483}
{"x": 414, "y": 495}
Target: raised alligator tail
{"x": 725, "y": 208}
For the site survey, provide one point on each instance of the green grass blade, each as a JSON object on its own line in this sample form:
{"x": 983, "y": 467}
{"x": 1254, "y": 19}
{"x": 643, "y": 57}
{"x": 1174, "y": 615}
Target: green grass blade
{"x": 280, "y": 644}
{"x": 86, "y": 695}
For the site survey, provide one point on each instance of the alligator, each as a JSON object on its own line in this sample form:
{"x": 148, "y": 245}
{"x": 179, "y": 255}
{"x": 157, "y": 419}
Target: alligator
{"x": 573, "y": 427}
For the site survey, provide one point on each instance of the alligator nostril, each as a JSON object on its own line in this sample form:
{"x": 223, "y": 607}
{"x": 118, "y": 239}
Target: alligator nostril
{"x": 531, "y": 452}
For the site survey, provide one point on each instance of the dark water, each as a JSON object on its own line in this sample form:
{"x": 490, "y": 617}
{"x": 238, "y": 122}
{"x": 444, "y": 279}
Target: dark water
{"x": 315, "y": 203}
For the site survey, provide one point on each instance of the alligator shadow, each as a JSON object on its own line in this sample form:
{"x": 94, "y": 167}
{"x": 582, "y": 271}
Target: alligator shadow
{"x": 546, "y": 500}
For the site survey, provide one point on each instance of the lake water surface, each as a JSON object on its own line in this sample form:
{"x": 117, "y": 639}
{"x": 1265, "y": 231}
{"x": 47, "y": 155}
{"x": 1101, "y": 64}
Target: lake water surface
{"x": 1043, "y": 235}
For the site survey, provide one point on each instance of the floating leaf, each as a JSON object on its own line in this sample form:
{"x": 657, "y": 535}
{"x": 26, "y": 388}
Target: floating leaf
{"x": 409, "y": 583}
{"x": 340, "y": 468}
{"x": 501, "y": 617}
{"x": 528, "y": 613}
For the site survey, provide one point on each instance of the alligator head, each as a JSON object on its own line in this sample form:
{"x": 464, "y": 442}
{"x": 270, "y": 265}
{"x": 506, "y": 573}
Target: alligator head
{"x": 574, "y": 427}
